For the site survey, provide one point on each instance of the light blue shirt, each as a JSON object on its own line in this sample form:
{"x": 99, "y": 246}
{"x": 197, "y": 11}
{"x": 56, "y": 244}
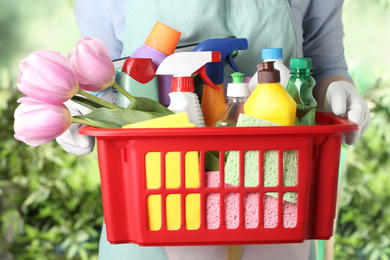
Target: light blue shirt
{"x": 318, "y": 27}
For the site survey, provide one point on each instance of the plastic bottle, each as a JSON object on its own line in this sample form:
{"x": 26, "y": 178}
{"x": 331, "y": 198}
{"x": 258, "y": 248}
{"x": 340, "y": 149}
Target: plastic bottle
{"x": 300, "y": 87}
{"x": 237, "y": 95}
{"x": 214, "y": 101}
{"x": 272, "y": 54}
{"x": 182, "y": 66}
{"x": 160, "y": 43}
{"x": 270, "y": 101}
{"x": 138, "y": 77}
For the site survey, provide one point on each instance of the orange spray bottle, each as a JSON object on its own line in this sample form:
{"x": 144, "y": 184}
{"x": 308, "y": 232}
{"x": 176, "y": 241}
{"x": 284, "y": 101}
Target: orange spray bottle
{"x": 213, "y": 100}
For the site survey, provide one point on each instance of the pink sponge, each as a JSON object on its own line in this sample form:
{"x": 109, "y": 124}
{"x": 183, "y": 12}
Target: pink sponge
{"x": 251, "y": 208}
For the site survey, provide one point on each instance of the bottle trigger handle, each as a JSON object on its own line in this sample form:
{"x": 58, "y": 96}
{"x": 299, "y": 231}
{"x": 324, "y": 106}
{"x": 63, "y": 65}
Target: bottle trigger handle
{"x": 205, "y": 78}
{"x": 231, "y": 62}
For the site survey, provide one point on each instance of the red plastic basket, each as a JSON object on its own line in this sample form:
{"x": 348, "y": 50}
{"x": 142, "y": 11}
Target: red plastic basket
{"x": 121, "y": 154}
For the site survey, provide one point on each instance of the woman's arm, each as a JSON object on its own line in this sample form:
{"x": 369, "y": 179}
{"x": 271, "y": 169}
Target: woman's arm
{"x": 104, "y": 20}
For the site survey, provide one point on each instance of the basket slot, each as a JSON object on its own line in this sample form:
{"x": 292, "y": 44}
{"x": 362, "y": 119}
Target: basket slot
{"x": 174, "y": 204}
{"x": 290, "y": 211}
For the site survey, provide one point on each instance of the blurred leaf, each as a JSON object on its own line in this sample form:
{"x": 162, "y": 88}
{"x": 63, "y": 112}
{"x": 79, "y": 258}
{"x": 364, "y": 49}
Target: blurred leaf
{"x": 50, "y": 200}
{"x": 364, "y": 218}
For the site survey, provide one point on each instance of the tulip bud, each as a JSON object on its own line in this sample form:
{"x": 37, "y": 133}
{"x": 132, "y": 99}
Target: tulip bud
{"x": 37, "y": 122}
{"x": 47, "y": 76}
{"x": 92, "y": 64}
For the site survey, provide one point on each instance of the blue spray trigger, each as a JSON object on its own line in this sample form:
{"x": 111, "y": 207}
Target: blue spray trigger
{"x": 227, "y": 46}
{"x": 232, "y": 63}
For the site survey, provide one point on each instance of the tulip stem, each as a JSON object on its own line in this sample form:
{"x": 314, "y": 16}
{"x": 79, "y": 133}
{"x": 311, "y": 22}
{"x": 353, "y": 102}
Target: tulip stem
{"x": 93, "y": 123}
{"x": 81, "y": 121}
{"x": 98, "y": 100}
{"x": 124, "y": 92}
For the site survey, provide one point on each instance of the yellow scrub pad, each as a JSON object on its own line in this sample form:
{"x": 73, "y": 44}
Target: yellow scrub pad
{"x": 172, "y": 178}
{"x": 171, "y": 121}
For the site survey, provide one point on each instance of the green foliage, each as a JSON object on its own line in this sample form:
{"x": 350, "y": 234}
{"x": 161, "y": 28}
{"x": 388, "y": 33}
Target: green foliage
{"x": 50, "y": 201}
{"x": 363, "y": 227}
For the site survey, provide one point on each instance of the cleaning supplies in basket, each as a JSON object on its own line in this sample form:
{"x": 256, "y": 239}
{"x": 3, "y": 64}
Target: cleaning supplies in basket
{"x": 213, "y": 99}
{"x": 182, "y": 66}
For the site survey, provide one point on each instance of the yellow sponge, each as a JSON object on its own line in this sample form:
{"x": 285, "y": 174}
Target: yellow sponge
{"x": 172, "y": 178}
{"x": 171, "y": 121}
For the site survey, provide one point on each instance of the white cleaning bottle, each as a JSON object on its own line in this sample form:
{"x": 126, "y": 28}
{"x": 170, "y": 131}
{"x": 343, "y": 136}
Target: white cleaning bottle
{"x": 276, "y": 55}
{"x": 182, "y": 66}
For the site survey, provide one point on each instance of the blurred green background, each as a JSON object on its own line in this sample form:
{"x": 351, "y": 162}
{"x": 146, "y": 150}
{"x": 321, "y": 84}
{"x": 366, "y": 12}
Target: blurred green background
{"x": 50, "y": 201}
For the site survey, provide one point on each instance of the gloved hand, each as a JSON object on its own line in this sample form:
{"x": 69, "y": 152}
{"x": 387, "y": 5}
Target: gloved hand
{"x": 71, "y": 140}
{"x": 343, "y": 100}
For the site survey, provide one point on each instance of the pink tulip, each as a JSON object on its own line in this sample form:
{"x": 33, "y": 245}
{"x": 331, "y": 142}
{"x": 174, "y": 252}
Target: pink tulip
{"x": 92, "y": 63}
{"x": 47, "y": 76}
{"x": 37, "y": 122}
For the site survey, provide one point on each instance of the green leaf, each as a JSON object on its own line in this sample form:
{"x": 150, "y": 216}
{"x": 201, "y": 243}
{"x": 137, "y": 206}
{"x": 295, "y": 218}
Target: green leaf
{"x": 211, "y": 162}
{"x": 83, "y": 254}
{"x": 384, "y": 256}
{"x": 72, "y": 251}
{"x": 86, "y": 102}
{"x": 143, "y": 103}
{"x": 119, "y": 117}
{"x": 149, "y": 105}
{"x": 375, "y": 254}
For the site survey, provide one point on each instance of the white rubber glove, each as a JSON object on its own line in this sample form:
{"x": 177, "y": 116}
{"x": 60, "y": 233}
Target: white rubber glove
{"x": 343, "y": 100}
{"x": 71, "y": 140}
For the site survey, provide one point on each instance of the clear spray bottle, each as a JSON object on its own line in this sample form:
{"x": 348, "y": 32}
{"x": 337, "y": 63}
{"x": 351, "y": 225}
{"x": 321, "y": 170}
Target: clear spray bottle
{"x": 237, "y": 95}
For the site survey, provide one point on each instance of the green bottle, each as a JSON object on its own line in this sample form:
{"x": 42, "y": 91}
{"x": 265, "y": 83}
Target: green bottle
{"x": 300, "y": 87}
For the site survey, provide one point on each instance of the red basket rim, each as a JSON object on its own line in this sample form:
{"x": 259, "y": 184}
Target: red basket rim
{"x": 327, "y": 123}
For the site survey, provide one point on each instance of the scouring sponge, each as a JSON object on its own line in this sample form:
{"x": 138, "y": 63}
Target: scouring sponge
{"x": 270, "y": 164}
{"x": 172, "y": 178}
{"x": 251, "y": 208}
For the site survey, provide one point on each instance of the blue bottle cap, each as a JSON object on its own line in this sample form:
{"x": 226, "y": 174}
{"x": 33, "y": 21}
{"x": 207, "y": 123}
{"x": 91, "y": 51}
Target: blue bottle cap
{"x": 272, "y": 53}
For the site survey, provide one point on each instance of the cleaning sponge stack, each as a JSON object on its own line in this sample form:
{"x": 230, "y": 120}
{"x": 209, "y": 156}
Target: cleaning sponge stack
{"x": 270, "y": 164}
{"x": 251, "y": 179}
{"x": 251, "y": 207}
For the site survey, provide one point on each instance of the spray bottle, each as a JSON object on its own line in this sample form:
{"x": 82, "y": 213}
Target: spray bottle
{"x": 138, "y": 77}
{"x": 272, "y": 54}
{"x": 237, "y": 95}
{"x": 182, "y": 66}
{"x": 160, "y": 43}
{"x": 213, "y": 100}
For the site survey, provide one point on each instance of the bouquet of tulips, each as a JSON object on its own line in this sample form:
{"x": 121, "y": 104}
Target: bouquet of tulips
{"x": 49, "y": 80}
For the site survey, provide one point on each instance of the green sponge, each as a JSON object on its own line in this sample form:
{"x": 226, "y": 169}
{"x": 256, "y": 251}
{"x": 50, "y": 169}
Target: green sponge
{"x": 271, "y": 158}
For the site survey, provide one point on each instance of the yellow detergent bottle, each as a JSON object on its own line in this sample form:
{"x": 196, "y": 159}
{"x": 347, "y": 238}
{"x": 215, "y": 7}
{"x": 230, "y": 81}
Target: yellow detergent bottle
{"x": 270, "y": 101}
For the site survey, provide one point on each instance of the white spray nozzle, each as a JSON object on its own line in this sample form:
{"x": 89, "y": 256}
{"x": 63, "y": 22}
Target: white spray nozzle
{"x": 185, "y": 64}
